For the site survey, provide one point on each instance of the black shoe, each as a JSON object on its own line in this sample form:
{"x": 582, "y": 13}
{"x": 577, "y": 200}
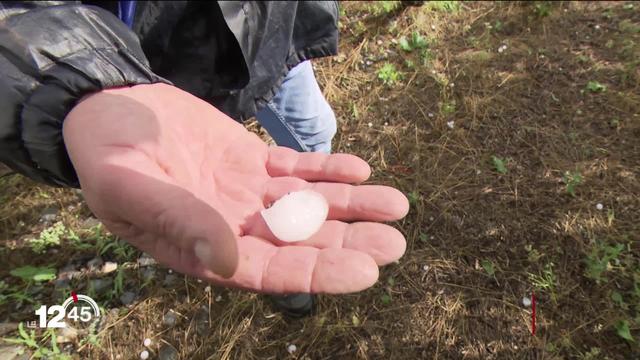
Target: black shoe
{"x": 294, "y": 305}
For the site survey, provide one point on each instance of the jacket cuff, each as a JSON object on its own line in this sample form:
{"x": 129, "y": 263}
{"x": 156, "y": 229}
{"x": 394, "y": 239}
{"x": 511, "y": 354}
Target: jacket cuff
{"x": 62, "y": 86}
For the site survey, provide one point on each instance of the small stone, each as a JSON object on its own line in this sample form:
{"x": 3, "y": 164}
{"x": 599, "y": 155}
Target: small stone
{"x": 6, "y": 328}
{"x": 95, "y": 264}
{"x": 14, "y": 352}
{"x": 109, "y": 266}
{"x": 170, "y": 280}
{"x": 167, "y": 352}
{"x": 526, "y": 301}
{"x": 49, "y": 215}
{"x": 599, "y": 206}
{"x": 127, "y": 297}
{"x": 450, "y": 124}
{"x": 90, "y": 223}
{"x": 291, "y": 348}
{"x": 169, "y": 318}
{"x": 146, "y": 260}
{"x": 146, "y": 342}
{"x": 148, "y": 273}
{"x": 100, "y": 284}
{"x": 202, "y": 321}
{"x": 144, "y": 355}
{"x": 66, "y": 334}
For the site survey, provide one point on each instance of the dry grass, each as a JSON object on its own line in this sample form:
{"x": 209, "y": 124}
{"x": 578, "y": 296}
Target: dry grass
{"x": 526, "y": 105}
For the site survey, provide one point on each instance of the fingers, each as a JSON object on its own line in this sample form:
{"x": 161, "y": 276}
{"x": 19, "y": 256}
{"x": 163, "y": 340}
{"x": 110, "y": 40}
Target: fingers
{"x": 293, "y": 269}
{"x": 314, "y": 166}
{"x": 383, "y": 243}
{"x": 147, "y": 198}
{"x": 347, "y": 202}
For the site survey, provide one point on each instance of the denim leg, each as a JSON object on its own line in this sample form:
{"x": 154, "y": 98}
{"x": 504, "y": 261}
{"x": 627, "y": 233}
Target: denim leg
{"x": 299, "y": 117}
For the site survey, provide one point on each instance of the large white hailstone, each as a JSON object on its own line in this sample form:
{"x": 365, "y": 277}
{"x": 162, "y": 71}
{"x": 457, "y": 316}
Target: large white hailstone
{"x": 297, "y": 215}
{"x": 144, "y": 355}
{"x": 147, "y": 342}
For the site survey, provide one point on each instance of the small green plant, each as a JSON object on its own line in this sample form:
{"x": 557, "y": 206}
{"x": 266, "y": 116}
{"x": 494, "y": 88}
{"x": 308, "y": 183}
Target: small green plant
{"x": 542, "y": 9}
{"x": 30, "y": 274}
{"x": 600, "y": 259}
{"x": 448, "y": 107}
{"x": 385, "y": 298}
{"x": 446, "y": 6}
{"x": 416, "y": 41}
{"x": 627, "y": 26}
{"x": 40, "y": 352}
{"x": 498, "y": 25}
{"x": 413, "y": 197}
{"x": 487, "y": 265}
{"x": 388, "y": 74}
{"x": 572, "y": 180}
{"x": 499, "y": 165}
{"x": 546, "y": 281}
{"x": 384, "y": 7}
{"x": 49, "y": 237}
{"x": 622, "y": 329}
{"x": 595, "y": 87}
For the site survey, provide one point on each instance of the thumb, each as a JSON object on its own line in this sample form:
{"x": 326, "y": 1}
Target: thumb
{"x": 151, "y": 201}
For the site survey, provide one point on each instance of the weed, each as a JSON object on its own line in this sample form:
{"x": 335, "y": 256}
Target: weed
{"x": 626, "y": 26}
{"x": 49, "y": 237}
{"x": 542, "y": 9}
{"x": 388, "y": 74}
{"x": 546, "y": 281}
{"x": 413, "y": 197}
{"x": 499, "y": 164}
{"x": 448, "y": 107}
{"x": 487, "y": 265}
{"x": 384, "y": 7}
{"x": 30, "y": 274}
{"x": 416, "y": 41}
{"x": 599, "y": 260}
{"x": 40, "y": 352}
{"x": 497, "y": 26}
{"x": 572, "y": 180}
{"x": 622, "y": 329}
{"x": 595, "y": 87}
{"x": 446, "y": 6}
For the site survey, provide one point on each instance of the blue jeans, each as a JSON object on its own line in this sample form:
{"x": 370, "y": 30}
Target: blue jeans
{"x": 299, "y": 117}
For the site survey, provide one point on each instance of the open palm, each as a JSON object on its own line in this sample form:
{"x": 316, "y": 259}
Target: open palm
{"x": 180, "y": 180}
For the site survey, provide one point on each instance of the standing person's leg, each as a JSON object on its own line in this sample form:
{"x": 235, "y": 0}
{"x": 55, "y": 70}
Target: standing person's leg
{"x": 300, "y": 118}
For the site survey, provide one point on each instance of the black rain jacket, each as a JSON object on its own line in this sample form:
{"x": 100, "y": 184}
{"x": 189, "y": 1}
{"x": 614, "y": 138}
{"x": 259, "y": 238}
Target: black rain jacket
{"x": 233, "y": 54}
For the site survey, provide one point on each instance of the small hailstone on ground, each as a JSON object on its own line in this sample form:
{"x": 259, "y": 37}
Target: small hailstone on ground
{"x": 599, "y": 206}
{"x": 430, "y": 114}
{"x": 452, "y": 84}
{"x": 218, "y": 298}
{"x": 291, "y": 348}
{"x": 526, "y": 301}
{"x": 433, "y": 27}
{"x": 379, "y": 42}
{"x": 386, "y": 123}
{"x": 597, "y": 27}
{"x": 394, "y": 41}
{"x": 207, "y": 289}
{"x": 170, "y": 271}
{"x": 450, "y": 124}
{"x": 147, "y": 342}
{"x": 369, "y": 124}
{"x": 430, "y": 218}
{"x": 144, "y": 355}
{"x": 199, "y": 281}
{"x": 425, "y": 267}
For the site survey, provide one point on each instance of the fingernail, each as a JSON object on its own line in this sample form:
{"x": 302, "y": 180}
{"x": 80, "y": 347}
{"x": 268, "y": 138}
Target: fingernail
{"x": 205, "y": 253}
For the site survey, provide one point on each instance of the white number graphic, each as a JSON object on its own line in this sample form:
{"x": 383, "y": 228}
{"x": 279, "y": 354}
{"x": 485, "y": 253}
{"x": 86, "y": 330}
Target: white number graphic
{"x": 73, "y": 314}
{"x": 55, "y": 321}
{"x": 85, "y": 314}
{"x": 42, "y": 313}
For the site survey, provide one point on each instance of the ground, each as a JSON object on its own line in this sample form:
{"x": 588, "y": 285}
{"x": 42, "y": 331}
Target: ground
{"x": 513, "y": 129}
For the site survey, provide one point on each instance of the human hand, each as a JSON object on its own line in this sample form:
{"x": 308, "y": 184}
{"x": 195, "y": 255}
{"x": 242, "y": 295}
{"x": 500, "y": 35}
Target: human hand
{"x": 169, "y": 173}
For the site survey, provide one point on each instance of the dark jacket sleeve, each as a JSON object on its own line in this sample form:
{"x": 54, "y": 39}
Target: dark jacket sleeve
{"x": 51, "y": 55}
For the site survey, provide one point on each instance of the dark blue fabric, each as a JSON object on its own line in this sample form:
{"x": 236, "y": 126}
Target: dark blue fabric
{"x": 126, "y": 12}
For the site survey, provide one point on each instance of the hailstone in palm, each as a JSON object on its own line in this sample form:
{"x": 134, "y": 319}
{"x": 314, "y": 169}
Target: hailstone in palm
{"x": 297, "y": 215}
